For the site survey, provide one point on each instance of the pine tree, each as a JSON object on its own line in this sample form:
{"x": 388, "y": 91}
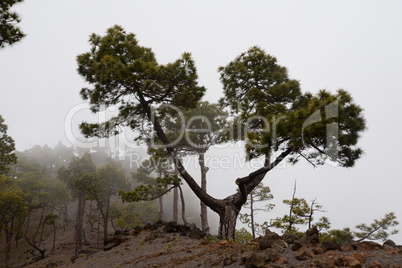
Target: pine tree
{"x": 9, "y": 32}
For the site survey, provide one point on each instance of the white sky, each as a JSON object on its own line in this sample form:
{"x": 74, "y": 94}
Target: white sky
{"x": 354, "y": 45}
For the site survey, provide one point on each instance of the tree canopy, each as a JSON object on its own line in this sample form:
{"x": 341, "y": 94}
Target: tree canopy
{"x": 274, "y": 116}
{"x": 9, "y": 32}
{"x": 7, "y": 148}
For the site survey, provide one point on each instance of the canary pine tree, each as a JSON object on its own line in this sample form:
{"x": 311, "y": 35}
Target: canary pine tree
{"x": 269, "y": 112}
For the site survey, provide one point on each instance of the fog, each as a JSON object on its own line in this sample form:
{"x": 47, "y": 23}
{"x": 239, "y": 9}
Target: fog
{"x": 325, "y": 45}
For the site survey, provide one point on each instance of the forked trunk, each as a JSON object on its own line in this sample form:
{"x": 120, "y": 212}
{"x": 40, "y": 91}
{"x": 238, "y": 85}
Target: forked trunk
{"x": 227, "y": 222}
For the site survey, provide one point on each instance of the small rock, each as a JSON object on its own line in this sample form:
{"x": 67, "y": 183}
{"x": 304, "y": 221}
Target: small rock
{"x": 196, "y": 233}
{"x": 245, "y": 256}
{"x": 324, "y": 263}
{"x": 389, "y": 242}
{"x": 361, "y": 257}
{"x": 224, "y": 243}
{"x": 298, "y": 245}
{"x": 270, "y": 234}
{"x": 369, "y": 245}
{"x": 346, "y": 247}
{"x": 171, "y": 227}
{"x": 290, "y": 238}
{"x": 375, "y": 264}
{"x": 319, "y": 250}
{"x": 304, "y": 254}
{"x": 255, "y": 260}
{"x": 233, "y": 257}
{"x": 279, "y": 245}
{"x": 227, "y": 261}
{"x": 312, "y": 235}
{"x": 271, "y": 255}
{"x": 265, "y": 242}
{"x": 331, "y": 246}
{"x": 352, "y": 262}
{"x": 282, "y": 260}
{"x": 332, "y": 254}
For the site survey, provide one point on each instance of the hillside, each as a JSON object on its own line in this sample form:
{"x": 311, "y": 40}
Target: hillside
{"x": 171, "y": 245}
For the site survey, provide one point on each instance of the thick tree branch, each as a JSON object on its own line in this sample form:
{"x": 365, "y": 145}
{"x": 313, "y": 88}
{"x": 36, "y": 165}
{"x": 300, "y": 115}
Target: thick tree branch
{"x": 248, "y": 183}
{"x": 211, "y": 202}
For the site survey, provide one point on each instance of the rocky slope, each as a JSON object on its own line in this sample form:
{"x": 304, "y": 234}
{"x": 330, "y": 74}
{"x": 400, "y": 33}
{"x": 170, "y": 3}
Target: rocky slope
{"x": 171, "y": 245}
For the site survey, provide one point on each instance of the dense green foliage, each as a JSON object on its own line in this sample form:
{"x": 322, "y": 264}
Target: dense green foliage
{"x": 126, "y": 73}
{"x": 7, "y": 148}
{"x": 9, "y": 32}
{"x": 337, "y": 235}
{"x": 273, "y": 115}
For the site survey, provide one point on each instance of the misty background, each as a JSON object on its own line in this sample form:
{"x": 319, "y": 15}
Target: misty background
{"x": 324, "y": 44}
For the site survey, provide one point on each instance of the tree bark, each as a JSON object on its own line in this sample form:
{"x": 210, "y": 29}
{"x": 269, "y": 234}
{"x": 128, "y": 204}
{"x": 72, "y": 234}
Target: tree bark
{"x": 252, "y": 215}
{"x": 183, "y": 206}
{"x": 161, "y": 212}
{"x": 204, "y": 211}
{"x": 227, "y": 220}
{"x": 175, "y": 201}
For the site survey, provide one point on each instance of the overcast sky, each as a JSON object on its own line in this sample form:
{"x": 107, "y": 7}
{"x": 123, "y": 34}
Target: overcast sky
{"x": 354, "y": 45}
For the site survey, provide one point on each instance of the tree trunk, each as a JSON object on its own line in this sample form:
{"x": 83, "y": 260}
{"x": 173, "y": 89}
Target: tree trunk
{"x": 175, "y": 200}
{"x": 39, "y": 224}
{"x": 33, "y": 244}
{"x": 84, "y": 229}
{"x": 79, "y": 224}
{"x": 54, "y": 237}
{"x": 229, "y": 208}
{"x": 161, "y": 212}
{"x": 227, "y": 221}
{"x": 291, "y": 210}
{"x": 65, "y": 212}
{"x": 175, "y": 205}
{"x": 114, "y": 227}
{"x": 106, "y": 221}
{"x": 183, "y": 206}
{"x": 28, "y": 221}
{"x": 252, "y": 215}
{"x": 204, "y": 211}
{"x": 90, "y": 216}
{"x": 97, "y": 232}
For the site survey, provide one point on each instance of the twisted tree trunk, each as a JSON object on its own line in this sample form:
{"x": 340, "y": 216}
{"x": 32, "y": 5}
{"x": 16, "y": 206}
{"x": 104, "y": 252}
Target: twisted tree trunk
{"x": 228, "y": 208}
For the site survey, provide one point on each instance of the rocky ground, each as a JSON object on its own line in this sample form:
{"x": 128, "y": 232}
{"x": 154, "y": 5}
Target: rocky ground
{"x": 171, "y": 245}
